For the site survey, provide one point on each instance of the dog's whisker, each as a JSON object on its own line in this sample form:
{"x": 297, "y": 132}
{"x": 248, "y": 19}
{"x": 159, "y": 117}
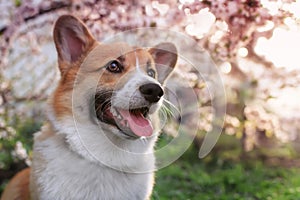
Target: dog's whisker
{"x": 103, "y": 93}
{"x": 106, "y": 104}
{"x": 170, "y": 108}
{"x": 165, "y": 113}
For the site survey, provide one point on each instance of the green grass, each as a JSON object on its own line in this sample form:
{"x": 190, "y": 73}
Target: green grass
{"x": 215, "y": 179}
{"x": 222, "y": 175}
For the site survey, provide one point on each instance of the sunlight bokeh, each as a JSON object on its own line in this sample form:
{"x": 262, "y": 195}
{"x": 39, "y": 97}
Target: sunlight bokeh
{"x": 282, "y": 48}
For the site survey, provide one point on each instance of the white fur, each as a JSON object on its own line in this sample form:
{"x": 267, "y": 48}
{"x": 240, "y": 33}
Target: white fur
{"x": 60, "y": 173}
{"x": 84, "y": 160}
{"x": 129, "y": 95}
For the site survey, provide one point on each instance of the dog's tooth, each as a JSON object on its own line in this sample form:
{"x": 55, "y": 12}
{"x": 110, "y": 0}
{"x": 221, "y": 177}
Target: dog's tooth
{"x": 113, "y": 112}
{"x": 119, "y": 116}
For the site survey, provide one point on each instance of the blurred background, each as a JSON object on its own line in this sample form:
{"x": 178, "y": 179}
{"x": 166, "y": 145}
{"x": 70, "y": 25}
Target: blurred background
{"x": 254, "y": 44}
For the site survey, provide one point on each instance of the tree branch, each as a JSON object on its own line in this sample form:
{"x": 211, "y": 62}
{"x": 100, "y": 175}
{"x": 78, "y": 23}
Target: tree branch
{"x": 53, "y": 6}
{"x": 251, "y": 45}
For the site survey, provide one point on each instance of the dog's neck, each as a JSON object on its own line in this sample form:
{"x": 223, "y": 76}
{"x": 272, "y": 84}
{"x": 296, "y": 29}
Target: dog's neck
{"x": 56, "y": 165}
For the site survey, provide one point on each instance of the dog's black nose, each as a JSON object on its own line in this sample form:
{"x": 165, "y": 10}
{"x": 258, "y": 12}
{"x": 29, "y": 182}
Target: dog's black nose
{"x": 151, "y": 92}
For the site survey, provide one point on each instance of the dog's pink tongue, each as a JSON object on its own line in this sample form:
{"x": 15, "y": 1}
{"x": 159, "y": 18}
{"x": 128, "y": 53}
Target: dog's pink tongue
{"x": 138, "y": 124}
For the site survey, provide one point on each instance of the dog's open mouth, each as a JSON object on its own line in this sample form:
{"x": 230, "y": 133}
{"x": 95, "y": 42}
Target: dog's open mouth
{"x": 131, "y": 122}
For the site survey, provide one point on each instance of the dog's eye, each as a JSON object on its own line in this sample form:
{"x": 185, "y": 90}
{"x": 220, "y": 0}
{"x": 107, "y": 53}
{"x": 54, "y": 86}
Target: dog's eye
{"x": 151, "y": 73}
{"x": 114, "y": 67}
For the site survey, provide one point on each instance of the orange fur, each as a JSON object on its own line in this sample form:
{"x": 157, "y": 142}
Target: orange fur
{"x": 99, "y": 55}
{"x": 18, "y": 187}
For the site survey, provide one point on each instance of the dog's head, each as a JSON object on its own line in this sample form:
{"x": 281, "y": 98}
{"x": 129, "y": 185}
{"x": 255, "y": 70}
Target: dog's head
{"x": 118, "y": 86}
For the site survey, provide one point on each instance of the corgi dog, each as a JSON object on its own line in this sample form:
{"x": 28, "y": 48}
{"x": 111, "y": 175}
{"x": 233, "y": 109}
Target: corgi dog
{"x": 102, "y": 120}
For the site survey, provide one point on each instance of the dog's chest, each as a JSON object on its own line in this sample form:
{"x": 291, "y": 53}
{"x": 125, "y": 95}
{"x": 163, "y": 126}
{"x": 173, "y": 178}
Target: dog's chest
{"x": 61, "y": 174}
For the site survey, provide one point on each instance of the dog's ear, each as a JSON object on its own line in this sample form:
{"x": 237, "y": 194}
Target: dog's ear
{"x": 72, "y": 40}
{"x": 165, "y": 57}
